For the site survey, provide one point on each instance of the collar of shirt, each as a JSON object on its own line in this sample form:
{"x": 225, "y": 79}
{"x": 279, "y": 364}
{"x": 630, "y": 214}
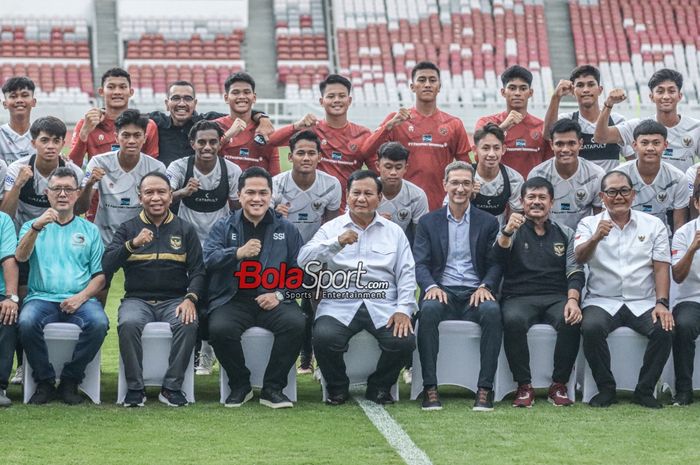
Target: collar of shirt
{"x": 632, "y": 222}
{"x": 377, "y": 220}
{"x": 267, "y": 219}
{"x": 465, "y": 217}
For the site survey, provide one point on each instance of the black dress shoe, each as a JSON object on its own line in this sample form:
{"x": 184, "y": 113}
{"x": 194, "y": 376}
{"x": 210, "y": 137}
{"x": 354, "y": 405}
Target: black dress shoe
{"x": 68, "y": 392}
{"x": 683, "y": 398}
{"x": 604, "y": 398}
{"x": 379, "y": 396}
{"x": 45, "y": 393}
{"x": 337, "y": 397}
{"x": 646, "y": 400}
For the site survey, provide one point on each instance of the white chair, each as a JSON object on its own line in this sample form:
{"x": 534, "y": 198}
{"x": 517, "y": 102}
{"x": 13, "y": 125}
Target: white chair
{"x": 156, "y": 340}
{"x": 361, "y": 361}
{"x": 458, "y": 361}
{"x": 668, "y": 376}
{"x": 541, "y": 340}
{"x": 627, "y": 349}
{"x": 61, "y": 339}
{"x": 257, "y": 346}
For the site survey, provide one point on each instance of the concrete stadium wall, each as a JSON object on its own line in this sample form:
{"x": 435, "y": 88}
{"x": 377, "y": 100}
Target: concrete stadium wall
{"x": 48, "y": 8}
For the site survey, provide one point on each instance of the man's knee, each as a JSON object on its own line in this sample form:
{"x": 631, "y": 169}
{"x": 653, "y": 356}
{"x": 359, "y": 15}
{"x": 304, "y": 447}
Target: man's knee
{"x": 490, "y": 312}
{"x": 325, "y": 336}
{"x": 404, "y": 344}
{"x": 431, "y": 312}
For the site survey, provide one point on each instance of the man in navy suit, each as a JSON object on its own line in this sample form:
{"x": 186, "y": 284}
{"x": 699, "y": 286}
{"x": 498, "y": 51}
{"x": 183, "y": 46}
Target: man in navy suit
{"x": 457, "y": 274}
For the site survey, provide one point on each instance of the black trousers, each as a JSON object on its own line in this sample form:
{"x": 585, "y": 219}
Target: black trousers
{"x": 487, "y": 315}
{"x": 597, "y": 324}
{"x": 308, "y": 311}
{"x": 228, "y": 322}
{"x": 519, "y": 314}
{"x": 687, "y": 316}
{"x": 330, "y": 342}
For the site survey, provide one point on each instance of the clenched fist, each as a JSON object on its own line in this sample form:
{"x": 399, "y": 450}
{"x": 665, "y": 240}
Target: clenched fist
{"x": 565, "y": 87}
{"x": 144, "y": 237}
{"x": 24, "y": 175}
{"x": 615, "y": 96}
{"x": 404, "y": 114}
{"x": 512, "y": 119}
{"x": 347, "y": 238}
{"x": 602, "y": 231}
{"x": 249, "y": 250}
{"x": 306, "y": 122}
{"x": 93, "y": 117}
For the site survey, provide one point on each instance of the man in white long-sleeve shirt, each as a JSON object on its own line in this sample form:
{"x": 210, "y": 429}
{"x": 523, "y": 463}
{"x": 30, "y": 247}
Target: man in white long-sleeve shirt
{"x": 361, "y": 240}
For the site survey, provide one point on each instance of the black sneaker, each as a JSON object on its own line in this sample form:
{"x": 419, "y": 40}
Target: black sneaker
{"x": 379, "y": 396}
{"x": 603, "y": 399}
{"x": 172, "y": 398}
{"x": 483, "y": 401}
{"x": 431, "y": 399}
{"x": 239, "y": 397}
{"x": 68, "y": 392}
{"x": 337, "y": 398}
{"x": 646, "y": 400}
{"x": 274, "y": 399}
{"x": 306, "y": 366}
{"x": 683, "y": 398}
{"x": 45, "y": 393}
{"x": 135, "y": 398}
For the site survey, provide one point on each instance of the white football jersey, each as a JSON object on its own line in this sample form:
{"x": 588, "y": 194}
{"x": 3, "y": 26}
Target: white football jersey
{"x": 407, "y": 206}
{"x": 14, "y": 146}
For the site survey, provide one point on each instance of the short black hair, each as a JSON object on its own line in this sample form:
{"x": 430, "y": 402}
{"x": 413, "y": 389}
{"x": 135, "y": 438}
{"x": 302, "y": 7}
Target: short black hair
{"x": 131, "y": 116}
{"x": 305, "y": 135}
{"x": 335, "y": 79}
{"x": 536, "y": 183}
{"x": 565, "y": 125}
{"x": 585, "y": 70}
{"x": 16, "y": 83}
{"x": 666, "y": 75}
{"x": 180, "y": 83}
{"x": 364, "y": 174}
{"x": 516, "y": 72}
{"x": 424, "y": 65}
{"x": 115, "y": 72}
{"x": 615, "y": 173}
{"x": 490, "y": 128}
{"x": 254, "y": 172}
{"x": 650, "y": 127}
{"x": 240, "y": 76}
{"x": 204, "y": 125}
{"x": 154, "y": 174}
{"x": 393, "y": 151}
{"x": 63, "y": 172}
{"x": 49, "y": 125}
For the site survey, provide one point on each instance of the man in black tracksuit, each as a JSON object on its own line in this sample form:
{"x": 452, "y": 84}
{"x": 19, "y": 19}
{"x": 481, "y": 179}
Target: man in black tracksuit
{"x": 164, "y": 279}
{"x": 253, "y": 236}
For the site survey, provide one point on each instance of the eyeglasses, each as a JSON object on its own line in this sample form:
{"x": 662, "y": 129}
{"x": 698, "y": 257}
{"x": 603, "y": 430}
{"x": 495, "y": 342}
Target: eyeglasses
{"x": 180, "y": 98}
{"x": 624, "y": 192}
{"x": 65, "y": 190}
{"x": 465, "y": 184}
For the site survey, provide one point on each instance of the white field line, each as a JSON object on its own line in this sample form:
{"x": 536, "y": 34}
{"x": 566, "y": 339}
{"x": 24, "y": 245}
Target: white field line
{"x": 393, "y": 433}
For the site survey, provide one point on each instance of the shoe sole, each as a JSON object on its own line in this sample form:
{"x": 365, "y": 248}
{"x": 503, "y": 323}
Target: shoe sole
{"x": 164, "y": 400}
{"x": 524, "y": 406}
{"x": 270, "y": 404}
{"x": 551, "y": 401}
{"x": 304, "y": 371}
{"x": 245, "y": 399}
{"x": 431, "y": 409}
{"x": 482, "y": 409}
{"x": 199, "y": 372}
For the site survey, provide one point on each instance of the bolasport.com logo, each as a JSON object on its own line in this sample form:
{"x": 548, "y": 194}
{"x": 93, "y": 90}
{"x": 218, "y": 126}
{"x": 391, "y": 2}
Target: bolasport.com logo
{"x": 311, "y": 282}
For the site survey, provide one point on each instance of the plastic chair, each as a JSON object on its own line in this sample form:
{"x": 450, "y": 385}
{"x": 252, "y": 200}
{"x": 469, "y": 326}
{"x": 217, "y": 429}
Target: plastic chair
{"x": 156, "y": 340}
{"x": 257, "y": 346}
{"x": 361, "y": 361}
{"x": 61, "y": 339}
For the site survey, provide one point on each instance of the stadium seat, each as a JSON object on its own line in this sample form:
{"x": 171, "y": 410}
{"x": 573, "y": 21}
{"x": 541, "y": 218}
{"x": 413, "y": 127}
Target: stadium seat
{"x": 156, "y": 340}
{"x": 361, "y": 361}
{"x": 257, "y": 345}
{"x": 61, "y": 339}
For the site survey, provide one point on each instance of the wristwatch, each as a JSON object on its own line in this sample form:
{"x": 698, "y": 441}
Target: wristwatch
{"x": 663, "y": 301}
{"x": 13, "y": 298}
{"x": 192, "y": 297}
{"x": 279, "y": 296}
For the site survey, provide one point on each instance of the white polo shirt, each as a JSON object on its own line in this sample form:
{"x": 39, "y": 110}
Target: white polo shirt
{"x": 575, "y": 197}
{"x": 668, "y": 191}
{"x": 688, "y": 290}
{"x": 14, "y": 146}
{"x": 384, "y": 250}
{"x": 683, "y": 140}
{"x": 407, "y": 206}
{"x": 620, "y": 271}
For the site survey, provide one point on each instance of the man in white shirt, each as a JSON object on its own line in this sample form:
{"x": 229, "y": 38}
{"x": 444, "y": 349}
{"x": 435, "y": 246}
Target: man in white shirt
{"x": 659, "y": 186}
{"x": 362, "y": 235}
{"x": 116, "y": 175}
{"x": 627, "y": 253}
{"x": 686, "y": 272}
{"x": 307, "y": 197}
{"x": 584, "y": 85}
{"x": 576, "y": 181}
{"x": 402, "y": 201}
{"x": 15, "y": 138}
{"x": 683, "y": 133}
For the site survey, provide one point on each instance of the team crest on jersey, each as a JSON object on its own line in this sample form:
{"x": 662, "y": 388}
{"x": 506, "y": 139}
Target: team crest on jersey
{"x": 336, "y": 155}
{"x": 661, "y": 197}
{"x": 427, "y": 137}
{"x": 78, "y": 239}
{"x": 641, "y": 238}
{"x": 559, "y": 249}
{"x": 244, "y": 152}
{"x": 175, "y": 242}
{"x": 101, "y": 137}
{"x": 324, "y": 142}
{"x": 317, "y": 205}
{"x": 403, "y": 214}
{"x": 443, "y": 131}
{"x": 353, "y": 147}
{"x": 535, "y": 135}
{"x": 411, "y": 128}
{"x": 520, "y": 142}
{"x": 580, "y": 195}
{"x": 687, "y": 141}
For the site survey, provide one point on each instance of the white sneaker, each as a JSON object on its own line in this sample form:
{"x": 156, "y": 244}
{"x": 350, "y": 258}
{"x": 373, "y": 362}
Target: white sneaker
{"x": 206, "y": 360}
{"x": 408, "y": 375}
{"x": 18, "y": 378}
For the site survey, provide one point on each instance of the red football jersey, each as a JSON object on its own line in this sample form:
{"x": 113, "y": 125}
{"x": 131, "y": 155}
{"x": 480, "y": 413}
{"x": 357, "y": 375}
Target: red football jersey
{"x": 525, "y": 145}
{"x": 433, "y": 142}
{"x": 341, "y": 149}
{"x": 103, "y": 139}
{"x": 245, "y": 152}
